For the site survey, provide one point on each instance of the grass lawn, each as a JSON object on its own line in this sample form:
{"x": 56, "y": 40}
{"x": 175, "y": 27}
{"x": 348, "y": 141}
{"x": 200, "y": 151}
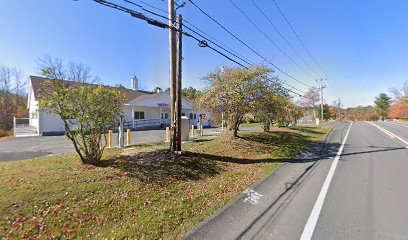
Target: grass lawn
{"x": 251, "y": 125}
{"x": 141, "y": 192}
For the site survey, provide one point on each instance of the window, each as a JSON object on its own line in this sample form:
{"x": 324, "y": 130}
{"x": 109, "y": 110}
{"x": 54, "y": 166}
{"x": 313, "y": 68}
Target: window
{"x": 139, "y": 115}
{"x": 191, "y": 115}
{"x": 195, "y": 116}
{"x": 166, "y": 116}
{"x": 183, "y": 114}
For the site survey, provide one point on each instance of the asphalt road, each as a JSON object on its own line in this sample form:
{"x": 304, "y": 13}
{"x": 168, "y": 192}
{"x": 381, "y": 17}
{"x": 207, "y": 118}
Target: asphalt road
{"x": 22, "y": 148}
{"x": 360, "y": 192}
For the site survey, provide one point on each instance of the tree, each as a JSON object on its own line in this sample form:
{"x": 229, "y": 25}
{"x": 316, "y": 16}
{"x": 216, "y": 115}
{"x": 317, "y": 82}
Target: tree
{"x": 326, "y": 112}
{"x": 288, "y": 114}
{"x": 382, "y": 105}
{"x": 55, "y": 68}
{"x": 399, "y": 106}
{"x": 13, "y": 98}
{"x": 276, "y": 106}
{"x": 191, "y": 93}
{"x": 234, "y": 91}
{"x": 310, "y": 98}
{"x": 87, "y": 111}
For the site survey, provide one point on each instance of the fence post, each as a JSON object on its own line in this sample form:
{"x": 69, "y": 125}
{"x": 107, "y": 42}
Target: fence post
{"x": 192, "y": 131}
{"x": 14, "y": 125}
{"x": 128, "y": 137}
{"x": 121, "y": 133}
{"x": 201, "y": 130}
{"x": 167, "y": 134}
{"x": 110, "y": 140}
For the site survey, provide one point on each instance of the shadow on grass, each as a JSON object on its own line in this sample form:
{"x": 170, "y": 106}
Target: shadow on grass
{"x": 306, "y": 129}
{"x": 282, "y": 144}
{"x": 202, "y": 140}
{"x": 162, "y": 167}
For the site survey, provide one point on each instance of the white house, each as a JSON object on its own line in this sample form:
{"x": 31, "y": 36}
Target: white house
{"x": 142, "y": 109}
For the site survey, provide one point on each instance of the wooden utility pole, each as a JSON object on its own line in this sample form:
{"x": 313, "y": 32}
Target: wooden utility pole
{"x": 173, "y": 73}
{"x": 339, "y": 110}
{"x": 321, "y": 98}
{"x": 178, "y": 83}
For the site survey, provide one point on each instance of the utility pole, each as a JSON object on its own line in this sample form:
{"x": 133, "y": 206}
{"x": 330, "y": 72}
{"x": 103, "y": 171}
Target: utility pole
{"x": 173, "y": 73}
{"x": 339, "y": 109}
{"x": 321, "y": 97}
{"x": 178, "y": 83}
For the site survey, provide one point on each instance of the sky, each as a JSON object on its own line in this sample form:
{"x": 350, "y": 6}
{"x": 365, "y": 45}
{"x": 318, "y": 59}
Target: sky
{"x": 360, "y": 45}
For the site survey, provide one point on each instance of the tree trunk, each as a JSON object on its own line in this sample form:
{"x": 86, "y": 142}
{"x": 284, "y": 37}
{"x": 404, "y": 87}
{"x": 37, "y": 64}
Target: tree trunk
{"x": 236, "y": 121}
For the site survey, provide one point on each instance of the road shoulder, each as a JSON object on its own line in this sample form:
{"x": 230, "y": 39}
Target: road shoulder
{"x": 252, "y": 213}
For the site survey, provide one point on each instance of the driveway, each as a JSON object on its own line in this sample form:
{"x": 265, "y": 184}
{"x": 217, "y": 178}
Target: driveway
{"x": 22, "y": 148}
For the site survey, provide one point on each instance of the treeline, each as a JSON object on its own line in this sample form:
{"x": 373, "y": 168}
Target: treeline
{"x": 13, "y": 96}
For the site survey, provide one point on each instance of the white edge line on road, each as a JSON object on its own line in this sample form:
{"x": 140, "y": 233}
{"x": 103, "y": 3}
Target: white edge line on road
{"x": 397, "y": 124}
{"x": 314, "y": 215}
{"x": 392, "y": 135}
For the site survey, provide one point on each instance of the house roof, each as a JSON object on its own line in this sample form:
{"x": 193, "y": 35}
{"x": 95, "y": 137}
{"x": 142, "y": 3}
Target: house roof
{"x": 39, "y": 84}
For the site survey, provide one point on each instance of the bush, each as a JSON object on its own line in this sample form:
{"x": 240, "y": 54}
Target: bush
{"x": 4, "y": 133}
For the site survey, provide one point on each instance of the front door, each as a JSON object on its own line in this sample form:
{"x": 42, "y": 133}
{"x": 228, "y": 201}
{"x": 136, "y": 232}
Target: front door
{"x": 165, "y": 118}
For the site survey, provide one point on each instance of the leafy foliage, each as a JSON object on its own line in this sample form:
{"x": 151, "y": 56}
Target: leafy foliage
{"x": 87, "y": 112}
{"x": 191, "y": 93}
{"x": 326, "y": 112}
{"x": 238, "y": 91}
{"x": 234, "y": 91}
{"x": 399, "y": 106}
{"x": 382, "y": 105}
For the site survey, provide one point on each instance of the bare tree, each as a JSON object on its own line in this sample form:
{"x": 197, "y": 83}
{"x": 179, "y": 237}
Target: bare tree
{"x": 51, "y": 67}
{"x": 399, "y": 94}
{"x": 78, "y": 72}
{"x": 54, "y": 68}
{"x": 5, "y": 82}
{"x": 12, "y": 98}
{"x": 310, "y": 98}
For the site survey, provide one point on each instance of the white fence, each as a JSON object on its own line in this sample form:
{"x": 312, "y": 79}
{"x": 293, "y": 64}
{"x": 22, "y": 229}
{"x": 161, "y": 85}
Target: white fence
{"x": 22, "y": 128}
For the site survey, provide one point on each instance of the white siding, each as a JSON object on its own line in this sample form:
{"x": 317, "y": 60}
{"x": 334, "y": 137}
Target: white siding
{"x": 47, "y": 123}
{"x": 33, "y": 109}
{"x": 50, "y": 123}
{"x": 163, "y": 98}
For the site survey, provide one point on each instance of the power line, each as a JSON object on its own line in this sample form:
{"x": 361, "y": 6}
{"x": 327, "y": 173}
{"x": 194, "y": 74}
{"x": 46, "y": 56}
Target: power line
{"x": 144, "y": 9}
{"x": 201, "y": 43}
{"x": 283, "y": 37}
{"x": 215, "y": 40}
{"x": 223, "y": 47}
{"x": 237, "y": 38}
{"x": 298, "y": 37}
{"x": 154, "y": 7}
{"x": 218, "y": 43}
{"x": 270, "y": 39}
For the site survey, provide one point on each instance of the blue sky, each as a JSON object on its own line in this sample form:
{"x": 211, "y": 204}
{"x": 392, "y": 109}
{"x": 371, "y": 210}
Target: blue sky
{"x": 361, "y": 45}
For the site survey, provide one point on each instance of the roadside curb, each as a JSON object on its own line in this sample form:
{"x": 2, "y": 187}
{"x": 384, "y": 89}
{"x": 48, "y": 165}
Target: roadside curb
{"x": 234, "y": 201}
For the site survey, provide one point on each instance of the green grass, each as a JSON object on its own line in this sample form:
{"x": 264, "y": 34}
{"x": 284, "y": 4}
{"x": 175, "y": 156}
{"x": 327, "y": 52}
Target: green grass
{"x": 141, "y": 192}
{"x": 250, "y": 125}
